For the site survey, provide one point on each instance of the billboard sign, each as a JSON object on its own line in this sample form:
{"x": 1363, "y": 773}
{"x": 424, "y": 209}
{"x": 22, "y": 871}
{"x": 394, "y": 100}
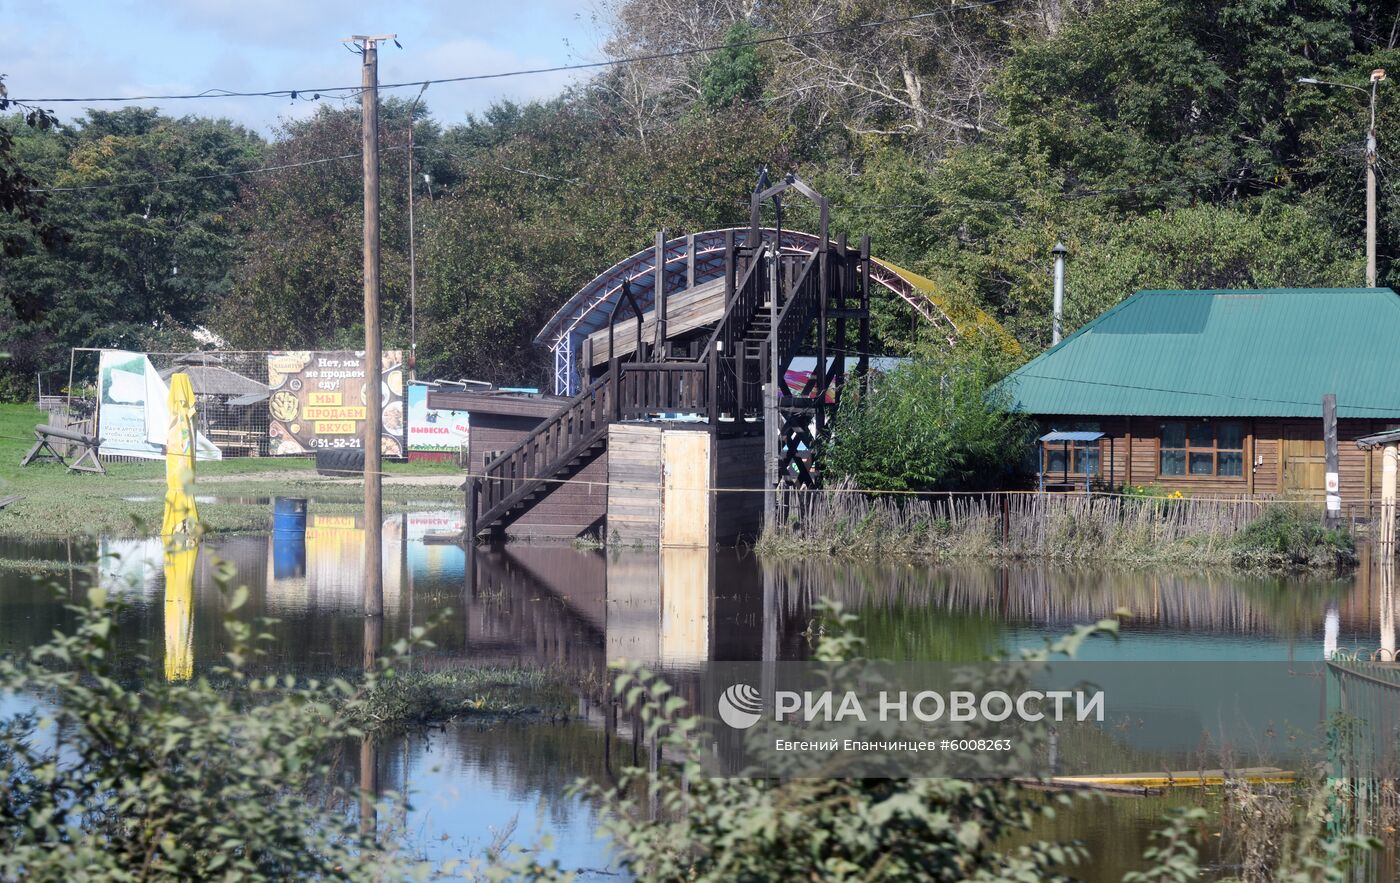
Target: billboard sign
{"x": 433, "y": 429}
{"x": 317, "y": 401}
{"x": 133, "y": 409}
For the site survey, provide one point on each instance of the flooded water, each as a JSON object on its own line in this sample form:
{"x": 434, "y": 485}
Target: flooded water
{"x": 536, "y": 605}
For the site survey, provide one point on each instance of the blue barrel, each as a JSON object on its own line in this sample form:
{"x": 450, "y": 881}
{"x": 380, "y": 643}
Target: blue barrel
{"x": 288, "y": 537}
{"x": 289, "y": 514}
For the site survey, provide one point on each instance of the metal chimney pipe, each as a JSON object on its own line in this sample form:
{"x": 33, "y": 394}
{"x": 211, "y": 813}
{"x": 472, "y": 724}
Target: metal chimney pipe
{"x": 1059, "y": 251}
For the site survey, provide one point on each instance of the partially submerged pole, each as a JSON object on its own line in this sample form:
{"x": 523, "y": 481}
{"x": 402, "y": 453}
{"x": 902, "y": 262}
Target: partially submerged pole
{"x": 1389, "y": 463}
{"x": 1333, "y": 480}
{"x": 374, "y": 499}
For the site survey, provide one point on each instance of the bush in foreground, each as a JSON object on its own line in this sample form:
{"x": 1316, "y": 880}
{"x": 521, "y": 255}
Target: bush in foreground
{"x": 106, "y": 779}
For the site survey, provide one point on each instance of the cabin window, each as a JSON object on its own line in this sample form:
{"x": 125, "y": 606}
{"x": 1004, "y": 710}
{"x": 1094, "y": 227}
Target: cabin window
{"x": 1073, "y": 458}
{"x": 1201, "y": 449}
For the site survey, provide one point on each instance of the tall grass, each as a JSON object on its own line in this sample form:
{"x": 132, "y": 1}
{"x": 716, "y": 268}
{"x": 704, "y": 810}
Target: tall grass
{"x": 842, "y": 522}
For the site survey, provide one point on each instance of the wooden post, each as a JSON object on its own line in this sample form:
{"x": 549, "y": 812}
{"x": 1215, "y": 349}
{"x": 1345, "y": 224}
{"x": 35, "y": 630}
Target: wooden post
{"x": 823, "y": 274}
{"x": 770, "y": 441}
{"x": 659, "y": 300}
{"x": 690, "y": 260}
{"x": 1389, "y": 462}
{"x": 374, "y": 408}
{"x": 863, "y": 360}
{"x": 729, "y": 268}
{"x": 473, "y": 488}
{"x": 712, "y": 390}
{"x": 1128, "y": 454}
{"x": 1329, "y": 440}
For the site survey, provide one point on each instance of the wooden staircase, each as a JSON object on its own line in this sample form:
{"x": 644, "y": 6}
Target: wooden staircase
{"x": 554, "y": 451}
{"x": 723, "y": 384}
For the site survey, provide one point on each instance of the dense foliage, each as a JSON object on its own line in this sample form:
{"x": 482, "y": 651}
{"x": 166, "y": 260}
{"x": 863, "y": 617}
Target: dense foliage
{"x": 1166, "y": 144}
{"x": 226, "y": 777}
{"x": 935, "y": 422}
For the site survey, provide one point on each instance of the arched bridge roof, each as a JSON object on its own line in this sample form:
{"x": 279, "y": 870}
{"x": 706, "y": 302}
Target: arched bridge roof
{"x": 591, "y": 307}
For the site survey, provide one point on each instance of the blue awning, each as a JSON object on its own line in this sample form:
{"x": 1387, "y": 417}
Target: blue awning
{"x": 1071, "y": 436}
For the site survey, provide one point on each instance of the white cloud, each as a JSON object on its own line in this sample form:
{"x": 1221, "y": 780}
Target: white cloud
{"x": 179, "y": 46}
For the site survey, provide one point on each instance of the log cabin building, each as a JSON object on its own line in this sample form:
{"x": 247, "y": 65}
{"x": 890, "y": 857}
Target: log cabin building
{"x": 1219, "y": 393}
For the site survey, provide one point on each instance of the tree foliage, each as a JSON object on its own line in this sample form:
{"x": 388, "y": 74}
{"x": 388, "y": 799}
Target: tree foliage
{"x": 1167, "y": 144}
{"x": 934, "y": 423}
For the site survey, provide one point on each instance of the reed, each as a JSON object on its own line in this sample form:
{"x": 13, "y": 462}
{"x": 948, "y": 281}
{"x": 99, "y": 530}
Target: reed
{"x": 842, "y": 522}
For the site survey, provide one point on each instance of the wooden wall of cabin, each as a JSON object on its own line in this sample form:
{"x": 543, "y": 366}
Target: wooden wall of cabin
{"x": 1279, "y": 455}
{"x": 567, "y": 510}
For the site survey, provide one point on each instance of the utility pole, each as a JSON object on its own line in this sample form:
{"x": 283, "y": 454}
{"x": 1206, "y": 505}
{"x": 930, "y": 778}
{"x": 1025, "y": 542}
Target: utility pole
{"x": 1376, "y": 76}
{"x": 374, "y": 405}
{"x": 1331, "y": 478}
{"x": 1059, "y": 251}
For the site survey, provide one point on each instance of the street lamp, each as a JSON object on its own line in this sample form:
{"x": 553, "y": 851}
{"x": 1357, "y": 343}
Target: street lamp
{"x": 1376, "y": 76}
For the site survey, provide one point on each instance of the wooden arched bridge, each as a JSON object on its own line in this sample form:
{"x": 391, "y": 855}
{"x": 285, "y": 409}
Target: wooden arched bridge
{"x": 702, "y": 329}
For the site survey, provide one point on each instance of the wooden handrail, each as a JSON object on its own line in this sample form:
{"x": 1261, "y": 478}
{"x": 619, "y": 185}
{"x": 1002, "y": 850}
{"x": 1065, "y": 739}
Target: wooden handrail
{"x": 542, "y": 453}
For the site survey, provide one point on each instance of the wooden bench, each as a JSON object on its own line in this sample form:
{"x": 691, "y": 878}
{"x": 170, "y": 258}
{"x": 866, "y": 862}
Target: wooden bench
{"x": 87, "y": 461}
{"x": 238, "y": 440}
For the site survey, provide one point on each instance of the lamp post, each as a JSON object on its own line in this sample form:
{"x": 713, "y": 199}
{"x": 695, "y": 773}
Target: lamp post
{"x": 1377, "y": 76}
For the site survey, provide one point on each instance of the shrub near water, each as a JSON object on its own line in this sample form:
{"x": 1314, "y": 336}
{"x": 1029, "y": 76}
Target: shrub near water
{"x": 1288, "y": 536}
{"x": 112, "y": 780}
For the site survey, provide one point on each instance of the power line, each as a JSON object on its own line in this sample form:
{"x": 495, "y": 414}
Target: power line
{"x": 322, "y": 92}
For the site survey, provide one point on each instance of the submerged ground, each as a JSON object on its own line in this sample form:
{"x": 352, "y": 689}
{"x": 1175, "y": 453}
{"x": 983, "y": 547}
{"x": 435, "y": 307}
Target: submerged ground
{"x": 128, "y": 500}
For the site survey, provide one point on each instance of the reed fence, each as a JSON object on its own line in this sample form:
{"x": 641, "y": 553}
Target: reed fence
{"x": 844, "y": 521}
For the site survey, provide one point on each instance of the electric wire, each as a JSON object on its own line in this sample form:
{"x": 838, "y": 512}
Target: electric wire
{"x": 323, "y": 92}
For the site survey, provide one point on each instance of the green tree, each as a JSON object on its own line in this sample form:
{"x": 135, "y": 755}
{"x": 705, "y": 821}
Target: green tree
{"x": 143, "y": 203}
{"x": 936, "y": 422}
{"x": 733, "y": 73}
{"x": 299, "y": 281}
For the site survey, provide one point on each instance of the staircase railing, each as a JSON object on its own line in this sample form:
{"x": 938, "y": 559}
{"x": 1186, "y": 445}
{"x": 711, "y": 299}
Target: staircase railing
{"x": 797, "y": 313}
{"x": 514, "y": 473}
{"x": 647, "y": 388}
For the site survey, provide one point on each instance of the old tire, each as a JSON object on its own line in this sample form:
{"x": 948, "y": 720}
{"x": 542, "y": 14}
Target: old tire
{"x": 340, "y": 462}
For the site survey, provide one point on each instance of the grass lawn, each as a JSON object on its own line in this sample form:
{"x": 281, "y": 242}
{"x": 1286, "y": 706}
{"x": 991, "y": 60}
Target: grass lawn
{"x": 128, "y": 501}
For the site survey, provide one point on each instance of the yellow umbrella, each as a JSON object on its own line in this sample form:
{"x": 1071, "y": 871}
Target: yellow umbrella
{"x": 180, "y": 530}
{"x": 181, "y": 516}
{"x": 180, "y": 557}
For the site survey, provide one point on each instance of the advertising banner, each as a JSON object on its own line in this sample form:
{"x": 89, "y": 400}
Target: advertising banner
{"x": 433, "y": 429}
{"x": 318, "y": 401}
{"x": 133, "y": 412}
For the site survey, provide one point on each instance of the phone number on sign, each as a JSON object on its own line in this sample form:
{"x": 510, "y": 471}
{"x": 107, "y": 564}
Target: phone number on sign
{"x": 334, "y": 442}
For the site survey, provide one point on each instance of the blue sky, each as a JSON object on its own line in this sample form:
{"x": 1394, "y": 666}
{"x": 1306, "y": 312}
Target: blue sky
{"x": 125, "y": 47}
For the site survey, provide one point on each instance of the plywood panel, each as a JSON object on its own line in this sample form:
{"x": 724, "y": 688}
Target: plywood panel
{"x": 634, "y": 483}
{"x": 685, "y": 501}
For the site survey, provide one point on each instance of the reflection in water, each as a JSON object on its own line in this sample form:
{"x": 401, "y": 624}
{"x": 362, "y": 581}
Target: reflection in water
{"x": 180, "y": 561}
{"x": 537, "y": 605}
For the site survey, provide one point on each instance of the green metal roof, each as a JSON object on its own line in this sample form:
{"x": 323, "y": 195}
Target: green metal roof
{"x": 1241, "y": 353}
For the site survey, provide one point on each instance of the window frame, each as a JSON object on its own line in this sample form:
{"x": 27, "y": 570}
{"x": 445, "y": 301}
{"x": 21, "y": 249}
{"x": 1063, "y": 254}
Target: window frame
{"x": 1187, "y": 449}
{"x": 1074, "y": 450}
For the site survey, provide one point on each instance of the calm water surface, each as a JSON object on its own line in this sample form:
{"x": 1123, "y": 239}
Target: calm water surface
{"x": 538, "y": 605}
